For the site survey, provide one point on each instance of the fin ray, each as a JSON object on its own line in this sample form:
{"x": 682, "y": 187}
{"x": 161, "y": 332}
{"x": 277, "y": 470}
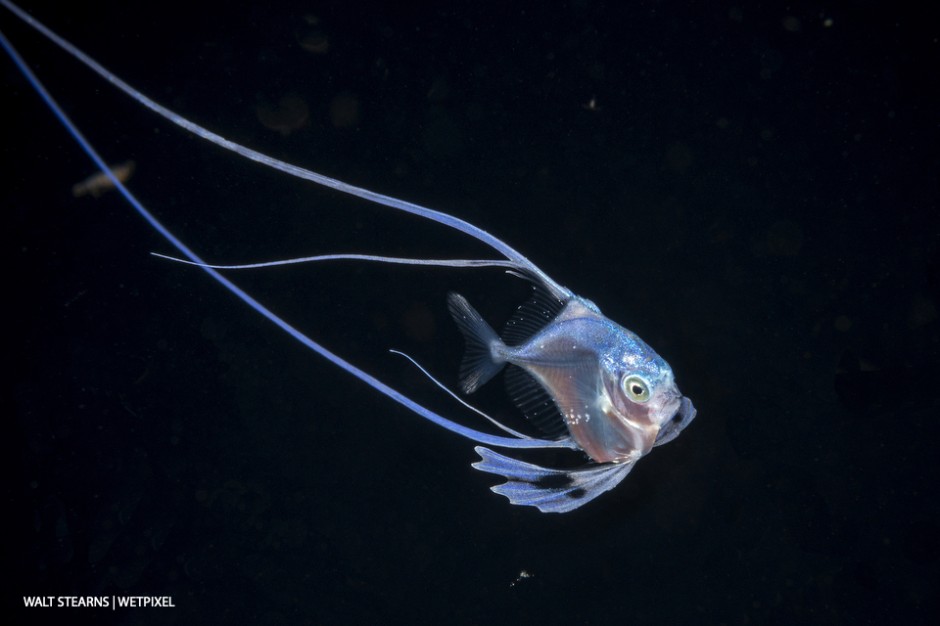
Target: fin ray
{"x": 534, "y": 401}
{"x": 549, "y": 490}
{"x": 478, "y": 365}
{"x": 532, "y": 315}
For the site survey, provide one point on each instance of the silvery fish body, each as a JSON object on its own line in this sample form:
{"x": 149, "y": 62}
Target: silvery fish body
{"x": 576, "y": 373}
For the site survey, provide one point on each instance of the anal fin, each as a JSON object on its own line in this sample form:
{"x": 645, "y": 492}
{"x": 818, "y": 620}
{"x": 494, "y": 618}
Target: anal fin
{"x": 534, "y": 402}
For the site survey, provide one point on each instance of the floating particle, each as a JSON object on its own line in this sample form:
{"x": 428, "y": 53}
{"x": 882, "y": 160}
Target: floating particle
{"x": 315, "y": 41}
{"x": 97, "y": 184}
{"x": 523, "y": 574}
{"x": 290, "y": 114}
{"x": 418, "y": 322}
{"x": 313, "y": 38}
{"x": 344, "y": 110}
{"x": 784, "y": 238}
{"x": 791, "y": 24}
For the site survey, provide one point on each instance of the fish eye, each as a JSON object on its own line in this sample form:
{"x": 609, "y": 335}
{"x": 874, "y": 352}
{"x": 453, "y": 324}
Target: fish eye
{"x": 636, "y": 388}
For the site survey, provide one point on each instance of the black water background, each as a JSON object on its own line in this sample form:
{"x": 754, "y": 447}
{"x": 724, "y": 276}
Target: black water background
{"x": 754, "y": 192}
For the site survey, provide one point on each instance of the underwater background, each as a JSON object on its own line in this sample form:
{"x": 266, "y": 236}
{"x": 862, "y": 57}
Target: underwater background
{"x": 752, "y": 188}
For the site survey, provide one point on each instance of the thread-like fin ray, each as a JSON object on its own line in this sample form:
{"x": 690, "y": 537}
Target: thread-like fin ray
{"x": 374, "y": 258}
{"x": 526, "y": 266}
{"x": 78, "y": 136}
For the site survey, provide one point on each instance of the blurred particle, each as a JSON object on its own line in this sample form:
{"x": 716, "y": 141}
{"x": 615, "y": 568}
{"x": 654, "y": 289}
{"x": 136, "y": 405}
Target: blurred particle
{"x": 314, "y": 41}
{"x": 439, "y": 91}
{"x": 679, "y": 157}
{"x": 97, "y": 184}
{"x": 591, "y": 105}
{"x": 313, "y": 38}
{"x": 442, "y": 136}
{"x": 418, "y": 322}
{"x": 843, "y": 323}
{"x": 791, "y": 24}
{"x": 344, "y": 110}
{"x": 922, "y": 312}
{"x": 290, "y": 114}
{"x": 783, "y": 238}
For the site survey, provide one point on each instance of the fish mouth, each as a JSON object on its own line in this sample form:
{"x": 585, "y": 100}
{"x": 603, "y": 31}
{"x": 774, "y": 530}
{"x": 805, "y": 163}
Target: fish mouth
{"x": 685, "y": 413}
{"x": 681, "y": 418}
{"x": 677, "y": 409}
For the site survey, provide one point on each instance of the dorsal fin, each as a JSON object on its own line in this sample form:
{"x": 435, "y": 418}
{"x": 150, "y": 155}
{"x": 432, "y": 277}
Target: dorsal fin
{"x": 532, "y": 315}
{"x": 534, "y": 402}
{"x": 526, "y": 392}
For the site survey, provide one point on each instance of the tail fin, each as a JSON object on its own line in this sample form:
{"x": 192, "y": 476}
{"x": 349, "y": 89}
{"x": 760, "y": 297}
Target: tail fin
{"x": 478, "y": 365}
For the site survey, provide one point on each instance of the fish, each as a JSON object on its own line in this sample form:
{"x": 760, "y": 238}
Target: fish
{"x": 577, "y": 374}
{"x": 585, "y": 383}
{"x": 610, "y": 389}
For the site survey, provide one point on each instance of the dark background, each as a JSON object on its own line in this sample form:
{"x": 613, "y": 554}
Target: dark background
{"x": 755, "y": 193}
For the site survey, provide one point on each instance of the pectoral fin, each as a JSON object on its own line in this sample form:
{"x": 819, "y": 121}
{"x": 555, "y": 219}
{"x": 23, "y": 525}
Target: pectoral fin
{"x": 550, "y": 490}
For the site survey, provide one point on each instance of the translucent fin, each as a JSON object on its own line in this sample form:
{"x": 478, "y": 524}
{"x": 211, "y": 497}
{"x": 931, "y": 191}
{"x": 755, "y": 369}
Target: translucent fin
{"x": 526, "y": 392}
{"x": 575, "y": 384}
{"x": 550, "y": 490}
{"x": 345, "y": 257}
{"x": 478, "y": 365}
{"x": 532, "y": 315}
{"x": 495, "y": 422}
{"x": 535, "y": 402}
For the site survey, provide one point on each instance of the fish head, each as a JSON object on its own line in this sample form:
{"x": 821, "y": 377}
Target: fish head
{"x": 643, "y": 397}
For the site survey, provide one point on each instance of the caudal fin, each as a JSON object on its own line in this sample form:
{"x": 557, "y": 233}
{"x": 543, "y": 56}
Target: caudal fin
{"x": 478, "y": 365}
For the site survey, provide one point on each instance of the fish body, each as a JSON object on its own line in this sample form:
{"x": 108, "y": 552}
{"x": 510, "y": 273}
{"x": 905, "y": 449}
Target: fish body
{"x": 612, "y": 392}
